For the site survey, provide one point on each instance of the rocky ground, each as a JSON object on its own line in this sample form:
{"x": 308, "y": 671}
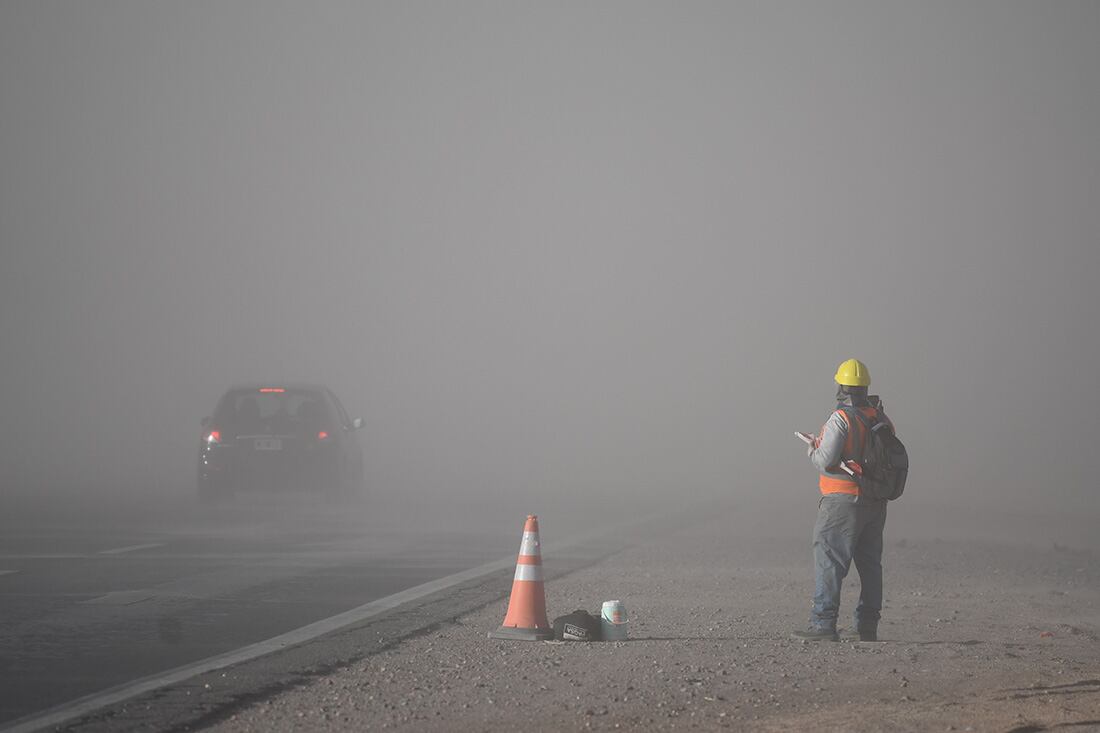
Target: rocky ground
{"x": 977, "y": 636}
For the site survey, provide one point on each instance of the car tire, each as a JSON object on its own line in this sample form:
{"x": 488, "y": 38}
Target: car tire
{"x": 211, "y": 491}
{"x": 349, "y": 483}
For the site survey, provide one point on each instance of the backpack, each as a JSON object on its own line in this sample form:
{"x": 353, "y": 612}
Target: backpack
{"x": 578, "y": 626}
{"x": 885, "y": 461}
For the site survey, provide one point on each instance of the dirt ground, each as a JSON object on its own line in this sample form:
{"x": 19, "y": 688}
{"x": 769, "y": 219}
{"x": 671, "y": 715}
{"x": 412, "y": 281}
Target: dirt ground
{"x": 978, "y": 635}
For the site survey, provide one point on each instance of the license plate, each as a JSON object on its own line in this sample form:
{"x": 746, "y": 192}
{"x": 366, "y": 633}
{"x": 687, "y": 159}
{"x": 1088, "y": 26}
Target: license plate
{"x": 269, "y": 444}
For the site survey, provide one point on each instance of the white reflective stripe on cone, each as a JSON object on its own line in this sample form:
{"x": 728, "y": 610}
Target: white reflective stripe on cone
{"x": 528, "y": 572}
{"x": 530, "y": 544}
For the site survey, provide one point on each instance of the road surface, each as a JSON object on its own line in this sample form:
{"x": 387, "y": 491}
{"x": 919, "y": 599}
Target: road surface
{"x": 104, "y": 597}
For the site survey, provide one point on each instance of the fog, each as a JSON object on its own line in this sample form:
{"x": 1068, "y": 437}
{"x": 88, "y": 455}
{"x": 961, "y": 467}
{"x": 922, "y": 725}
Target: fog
{"x": 551, "y": 251}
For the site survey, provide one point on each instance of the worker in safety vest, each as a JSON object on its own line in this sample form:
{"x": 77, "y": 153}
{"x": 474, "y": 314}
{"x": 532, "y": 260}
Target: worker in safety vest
{"x": 849, "y": 527}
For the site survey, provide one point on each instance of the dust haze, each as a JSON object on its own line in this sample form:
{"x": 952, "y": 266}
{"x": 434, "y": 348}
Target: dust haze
{"x": 555, "y": 252}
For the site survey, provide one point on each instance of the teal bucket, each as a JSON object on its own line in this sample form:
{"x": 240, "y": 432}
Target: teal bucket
{"x": 613, "y": 621}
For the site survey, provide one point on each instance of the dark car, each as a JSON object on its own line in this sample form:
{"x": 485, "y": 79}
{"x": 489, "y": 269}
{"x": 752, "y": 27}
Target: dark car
{"x": 296, "y": 437}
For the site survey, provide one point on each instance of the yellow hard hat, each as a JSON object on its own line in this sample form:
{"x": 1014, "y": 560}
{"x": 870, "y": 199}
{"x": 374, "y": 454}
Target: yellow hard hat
{"x": 853, "y": 373}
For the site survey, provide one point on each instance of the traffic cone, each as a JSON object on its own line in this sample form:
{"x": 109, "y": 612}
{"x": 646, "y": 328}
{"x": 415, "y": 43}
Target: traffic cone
{"x": 526, "y": 617}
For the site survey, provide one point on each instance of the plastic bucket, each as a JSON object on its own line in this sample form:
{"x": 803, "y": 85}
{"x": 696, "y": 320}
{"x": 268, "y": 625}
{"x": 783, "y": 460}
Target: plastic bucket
{"x": 613, "y": 621}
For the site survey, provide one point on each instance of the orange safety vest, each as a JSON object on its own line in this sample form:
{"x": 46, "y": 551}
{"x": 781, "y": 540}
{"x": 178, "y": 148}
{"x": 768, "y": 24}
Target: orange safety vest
{"x": 842, "y": 483}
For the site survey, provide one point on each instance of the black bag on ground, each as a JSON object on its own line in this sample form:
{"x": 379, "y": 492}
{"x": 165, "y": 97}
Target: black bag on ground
{"x": 885, "y": 461}
{"x": 578, "y": 626}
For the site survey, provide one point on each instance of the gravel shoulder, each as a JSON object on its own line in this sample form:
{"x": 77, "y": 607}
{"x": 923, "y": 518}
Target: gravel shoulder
{"x": 978, "y": 636}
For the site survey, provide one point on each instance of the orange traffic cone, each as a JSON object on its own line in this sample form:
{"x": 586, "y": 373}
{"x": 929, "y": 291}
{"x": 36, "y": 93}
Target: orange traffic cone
{"x": 526, "y": 617}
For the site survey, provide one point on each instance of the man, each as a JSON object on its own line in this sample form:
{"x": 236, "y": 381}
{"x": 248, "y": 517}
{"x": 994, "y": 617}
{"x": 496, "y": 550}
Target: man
{"x": 849, "y": 527}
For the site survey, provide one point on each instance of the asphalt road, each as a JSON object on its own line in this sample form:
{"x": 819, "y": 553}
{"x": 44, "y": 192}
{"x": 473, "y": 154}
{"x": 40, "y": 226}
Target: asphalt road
{"x": 95, "y": 598}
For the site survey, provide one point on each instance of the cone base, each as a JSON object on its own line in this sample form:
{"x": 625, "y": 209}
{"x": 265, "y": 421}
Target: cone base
{"x": 514, "y": 634}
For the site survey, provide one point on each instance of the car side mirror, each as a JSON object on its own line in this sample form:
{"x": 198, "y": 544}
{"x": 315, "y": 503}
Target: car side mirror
{"x": 205, "y": 421}
{"x": 357, "y": 423}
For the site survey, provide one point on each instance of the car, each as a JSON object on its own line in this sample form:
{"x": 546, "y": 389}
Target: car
{"x": 289, "y": 437}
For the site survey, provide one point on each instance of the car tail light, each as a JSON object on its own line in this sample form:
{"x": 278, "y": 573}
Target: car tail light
{"x": 322, "y": 435}
{"x": 214, "y": 436}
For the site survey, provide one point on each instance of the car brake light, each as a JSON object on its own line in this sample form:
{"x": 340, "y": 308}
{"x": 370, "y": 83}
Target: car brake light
{"x": 266, "y": 390}
{"x": 214, "y": 436}
{"x": 322, "y": 435}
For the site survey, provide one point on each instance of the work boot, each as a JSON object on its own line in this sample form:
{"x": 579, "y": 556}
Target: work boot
{"x": 815, "y": 633}
{"x": 863, "y": 633}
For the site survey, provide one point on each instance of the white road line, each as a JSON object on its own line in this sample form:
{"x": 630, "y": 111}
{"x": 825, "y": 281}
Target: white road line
{"x": 8, "y": 572}
{"x": 121, "y": 598}
{"x": 130, "y": 548}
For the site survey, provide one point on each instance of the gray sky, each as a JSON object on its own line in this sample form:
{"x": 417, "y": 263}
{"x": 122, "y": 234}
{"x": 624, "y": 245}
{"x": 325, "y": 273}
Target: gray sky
{"x": 617, "y": 246}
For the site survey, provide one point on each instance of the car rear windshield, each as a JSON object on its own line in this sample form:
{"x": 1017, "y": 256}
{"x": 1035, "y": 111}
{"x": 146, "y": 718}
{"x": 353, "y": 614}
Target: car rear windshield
{"x": 273, "y": 410}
